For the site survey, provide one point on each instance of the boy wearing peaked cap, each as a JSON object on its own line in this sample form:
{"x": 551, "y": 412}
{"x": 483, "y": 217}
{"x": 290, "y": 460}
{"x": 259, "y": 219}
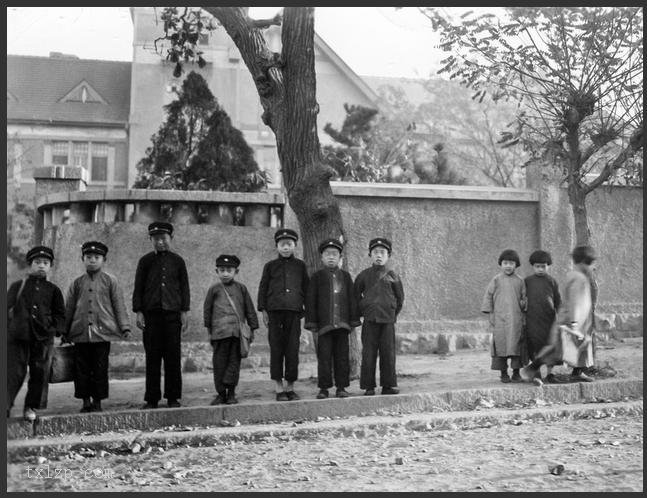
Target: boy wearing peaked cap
{"x": 36, "y": 314}
{"x": 95, "y": 315}
{"x": 161, "y": 299}
{"x": 331, "y": 313}
{"x": 222, "y": 321}
{"x": 380, "y": 297}
{"x": 281, "y": 295}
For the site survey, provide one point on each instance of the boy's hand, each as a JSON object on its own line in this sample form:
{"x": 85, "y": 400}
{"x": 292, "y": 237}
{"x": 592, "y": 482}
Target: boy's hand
{"x": 184, "y": 317}
{"x": 266, "y": 318}
{"x": 140, "y": 322}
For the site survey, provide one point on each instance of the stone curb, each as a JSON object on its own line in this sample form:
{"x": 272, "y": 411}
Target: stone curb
{"x": 355, "y": 428}
{"x": 310, "y": 409}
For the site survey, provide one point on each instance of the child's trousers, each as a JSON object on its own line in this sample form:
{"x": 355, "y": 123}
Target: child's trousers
{"x": 378, "y": 338}
{"x": 226, "y": 363}
{"x": 284, "y": 334}
{"x": 332, "y": 354}
{"x": 91, "y": 370}
{"x": 37, "y": 356}
{"x": 501, "y": 362}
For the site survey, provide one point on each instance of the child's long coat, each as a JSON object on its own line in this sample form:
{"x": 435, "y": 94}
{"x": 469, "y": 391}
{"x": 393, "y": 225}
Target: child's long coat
{"x": 505, "y": 301}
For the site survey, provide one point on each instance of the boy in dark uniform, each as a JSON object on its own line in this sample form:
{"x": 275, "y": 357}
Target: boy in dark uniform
{"x": 223, "y": 325}
{"x": 95, "y": 315}
{"x": 331, "y": 313}
{"x": 281, "y": 295}
{"x": 36, "y": 315}
{"x": 161, "y": 300}
{"x": 380, "y": 296}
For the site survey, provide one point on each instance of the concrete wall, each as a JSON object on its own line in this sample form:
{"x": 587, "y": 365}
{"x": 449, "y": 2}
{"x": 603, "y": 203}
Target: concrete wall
{"x": 445, "y": 250}
{"x": 616, "y": 223}
{"x": 199, "y": 245}
{"x": 446, "y": 243}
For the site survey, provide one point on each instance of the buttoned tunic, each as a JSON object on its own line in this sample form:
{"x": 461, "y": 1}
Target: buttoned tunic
{"x": 40, "y": 311}
{"x": 283, "y": 285}
{"x": 330, "y": 302}
{"x": 95, "y": 309}
{"x": 161, "y": 282}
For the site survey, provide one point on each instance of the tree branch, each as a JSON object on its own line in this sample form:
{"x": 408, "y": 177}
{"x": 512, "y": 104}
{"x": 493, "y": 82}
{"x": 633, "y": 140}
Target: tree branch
{"x": 635, "y": 144}
{"x": 266, "y": 23}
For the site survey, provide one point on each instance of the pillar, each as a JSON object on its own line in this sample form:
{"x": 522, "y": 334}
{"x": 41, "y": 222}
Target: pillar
{"x": 51, "y": 180}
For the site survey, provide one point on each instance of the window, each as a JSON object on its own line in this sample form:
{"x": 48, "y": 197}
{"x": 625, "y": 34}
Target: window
{"x": 203, "y": 39}
{"x": 91, "y": 156}
{"x": 60, "y": 152}
{"x": 99, "y": 171}
{"x": 80, "y": 154}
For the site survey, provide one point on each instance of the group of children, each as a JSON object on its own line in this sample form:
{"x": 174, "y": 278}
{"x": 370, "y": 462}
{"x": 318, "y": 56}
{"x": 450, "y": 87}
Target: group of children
{"x": 94, "y": 313}
{"x": 524, "y": 314}
{"x": 332, "y": 305}
{"x": 530, "y": 320}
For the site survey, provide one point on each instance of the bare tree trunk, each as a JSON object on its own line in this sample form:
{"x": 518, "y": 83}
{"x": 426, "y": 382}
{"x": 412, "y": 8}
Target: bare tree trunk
{"x": 286, "y": 85}
{"x": 577, "y": 199}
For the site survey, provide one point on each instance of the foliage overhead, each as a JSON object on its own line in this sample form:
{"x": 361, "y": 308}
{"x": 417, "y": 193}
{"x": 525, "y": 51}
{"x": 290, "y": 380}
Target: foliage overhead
{"x": 575, "y": 71}
{"x": 198, "y": 148}
{"x": 386, "y": 147}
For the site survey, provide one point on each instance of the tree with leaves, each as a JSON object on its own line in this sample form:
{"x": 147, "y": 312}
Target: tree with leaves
{"x": 576, "y": 73}
{"x": 197, "y": 147}
{"x": 286, "y": 85}
{"x": 375, "y": 146}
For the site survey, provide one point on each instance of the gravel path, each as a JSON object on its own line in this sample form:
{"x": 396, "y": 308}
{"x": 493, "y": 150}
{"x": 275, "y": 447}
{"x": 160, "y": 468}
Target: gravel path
{"x": 597, "y": 455}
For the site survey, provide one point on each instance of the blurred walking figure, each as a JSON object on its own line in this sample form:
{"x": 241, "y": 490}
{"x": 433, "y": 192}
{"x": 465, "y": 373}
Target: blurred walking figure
{"x": 570, "y": 338}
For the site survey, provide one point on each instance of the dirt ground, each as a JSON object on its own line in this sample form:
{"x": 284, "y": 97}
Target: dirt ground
{"x": 596, "y": 454}
{"x": 465, "y": 369}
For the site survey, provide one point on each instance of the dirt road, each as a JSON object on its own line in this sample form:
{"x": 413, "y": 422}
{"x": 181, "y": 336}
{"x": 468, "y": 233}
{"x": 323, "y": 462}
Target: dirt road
{"x": 597, "y": 455}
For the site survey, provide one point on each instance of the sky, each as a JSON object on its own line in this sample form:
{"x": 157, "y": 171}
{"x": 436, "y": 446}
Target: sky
{"x": 373, "y": 41}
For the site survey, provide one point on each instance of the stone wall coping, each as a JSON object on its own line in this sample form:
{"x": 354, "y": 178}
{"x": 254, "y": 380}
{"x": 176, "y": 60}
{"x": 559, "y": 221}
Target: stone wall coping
{"x": 145, "y": 195}
{"x": 276, "y": 197}
{"x": 462, "y": 192}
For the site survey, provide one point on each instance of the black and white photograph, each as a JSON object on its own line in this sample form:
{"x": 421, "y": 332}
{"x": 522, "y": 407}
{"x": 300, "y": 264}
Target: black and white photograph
{"x": 324, "y": 249}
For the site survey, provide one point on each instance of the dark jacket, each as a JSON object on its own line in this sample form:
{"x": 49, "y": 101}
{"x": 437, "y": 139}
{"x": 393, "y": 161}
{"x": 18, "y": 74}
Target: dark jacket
{"x": 161, "y": 282}
{"x": 330, "y": 302}
{"x": 39, "y": 313}
{"x": 95, "y": 309}
{"x": 379, "y": 294}
{"x": 283, "y": 285}
{"x": 220, "y": 318}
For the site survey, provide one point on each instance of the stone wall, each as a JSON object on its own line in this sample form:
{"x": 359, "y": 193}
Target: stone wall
{"x": 446, "y": 243}
{"x": 198, "y": 244}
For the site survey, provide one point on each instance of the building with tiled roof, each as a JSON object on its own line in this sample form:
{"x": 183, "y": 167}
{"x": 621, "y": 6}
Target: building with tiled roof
{"x": 65, "y": 111}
